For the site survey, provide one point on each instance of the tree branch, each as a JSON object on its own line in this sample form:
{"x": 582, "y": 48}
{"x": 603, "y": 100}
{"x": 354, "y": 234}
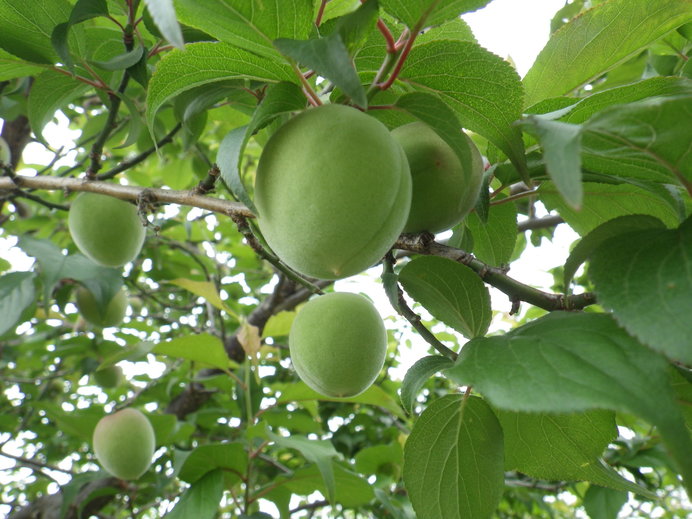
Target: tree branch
{"x": 133, "y": 193}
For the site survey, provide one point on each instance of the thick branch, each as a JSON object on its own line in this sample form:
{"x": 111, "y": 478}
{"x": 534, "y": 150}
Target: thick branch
{"x": 166, "y": 196}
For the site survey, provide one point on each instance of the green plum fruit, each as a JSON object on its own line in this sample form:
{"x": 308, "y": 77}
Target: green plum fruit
{"x": 333, "y": 191}
{"x": 444, "y": 189}
{"x": 108, "y": 377}
{"x": 105, "y": 229}
{"x": 338, "y": 344}
{"x": 5, "y": 155}
{"x": 124, "y": 443}
{"x": 89, "y": 309}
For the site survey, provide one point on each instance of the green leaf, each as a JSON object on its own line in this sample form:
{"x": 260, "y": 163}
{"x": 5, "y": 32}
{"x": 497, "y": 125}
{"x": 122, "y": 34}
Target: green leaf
{"x": 131, "y": 353}
{"x": 410, "y": 11}
{"x": 203, "y": 348}
{"x": 319, "y": 452}
{"x": 436, "y": 114}
{"x": 51, "y": 91}
{"x": 249, "y": 24}
{"x": 13, "y": 67}
{"x": 351, "y": 490}
{"x": 122, "y": 61}
{"x": 16, "y": 295}
{"x": 644, "y": 277}
{"x": 566, "y": 362}
{"x": 562, "y": 447}
{"x": 374, "y": 395}
{"x": 163, "y": 13}
{"x": 282, "y": 98}
{"x": 450, "y": 291}
{"x": 230, "y": 457}
{"x": 102, "y": 282}
{"x": 603, "y": 503}
{"x": 355, "y": 27}
{"x": 417, "y": 375}
{"x": 653, "y": 87}
{"x": 329, "y": 58}
{"x": 380, "y": 458}
{"x": 652, "y": 137}
{"x": 27, "y": 28}
{"x": 279, "y": 325}
{"x": 598, "y": 40}
{"x": 201, "y": 500}
{"x": 83, "y": 10}
{"x": 456, "y": 29}
{"x": 488, "y": 106}
{"x": 203, "y": 63}
{"x": 453, "y": 460}
{"x": 493, "y": 241}
{"x": 600, "y": 234}
{"x": 206, "y": 290}
{"x": 561, "y": 143}
{"x": 603, "y": 202}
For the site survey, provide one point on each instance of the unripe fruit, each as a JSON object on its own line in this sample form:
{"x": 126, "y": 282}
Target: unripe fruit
{"x": 444, "y": 189}
{"x": 338, "y": 344}
{"x": 333, "y": 192}
{"x": 124, "y": 443}
{"x": 105, "y": 229}
{"x": 113, "y": 315}
{"x": 5, "y": 155}
{"x": 109, "y": 377}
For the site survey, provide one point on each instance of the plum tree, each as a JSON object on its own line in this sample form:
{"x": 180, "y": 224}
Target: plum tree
{"x": 105, "y": 229}
{"x": 444, "y": 189}
{"x": 333, "y": 192}
{"x": 92, "y": 313}
{"x": 124, "y": 443}
{"x": 338, "y": 344}
{"x": 109, "y": 377}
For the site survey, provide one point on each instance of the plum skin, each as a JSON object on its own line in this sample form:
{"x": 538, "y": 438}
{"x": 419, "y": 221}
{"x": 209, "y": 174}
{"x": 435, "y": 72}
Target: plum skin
{"x": 109, "y": 377}
{"x": 333, "y": 192}
{"x": 105, "y": 229}
{"x": 444, "y": 189}
{"x": 338, "y": 344}
{"x": 124, "y": 443}
{"x": 89, "y": 309}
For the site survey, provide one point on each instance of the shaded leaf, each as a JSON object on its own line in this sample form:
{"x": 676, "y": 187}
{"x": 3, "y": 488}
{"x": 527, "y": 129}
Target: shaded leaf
{"x": 436, "y": 12}
{"x": 450, "y": 291}
{"x": 453, "y": 460}
{"x": 206, "y": 290}
{"x": 49, "y": 92}
{"x": 13, "y": 67}
{"x": 493, "y": 241}
{"x": 644, "y": 277}
{"x": 201, "y": 500}
{"x": 600, "y": 366}
{"x": 16, "y": 295}
{"x": 612, "y": 228}
{"x": 230, "y": 457}
{"x": 417, "y": 375}
{"x": 203, "y": 63}
{"x": 603, "y": 503}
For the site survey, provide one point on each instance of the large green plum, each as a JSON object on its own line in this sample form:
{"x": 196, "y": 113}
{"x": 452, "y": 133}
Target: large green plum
{"x": 444, "y": 189}
{"x": 105, "y": 229}
{"x": 124, "y": 443}
{"x": 89, "y": 309}
{"x": 333, "y": 191}
{"x": 108, "y": 377}
{"x": 338, "y": 344}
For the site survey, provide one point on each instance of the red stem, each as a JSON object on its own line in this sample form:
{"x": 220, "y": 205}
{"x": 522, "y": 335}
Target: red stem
{"x": 391, "y": 45}
{"x": 320, "y": 13}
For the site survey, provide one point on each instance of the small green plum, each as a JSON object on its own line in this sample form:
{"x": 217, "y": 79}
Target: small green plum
{"x": 124, "y": 443}
{"x": 444, "y": 189}
{"x": 5, "y": 155}
{"x": 338, "y": 344}
{"x": 105, "y": 229}
{"x": 108, "y": 377}
{"x": 333, "y": 191}
{"x": 89, "y": 309}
